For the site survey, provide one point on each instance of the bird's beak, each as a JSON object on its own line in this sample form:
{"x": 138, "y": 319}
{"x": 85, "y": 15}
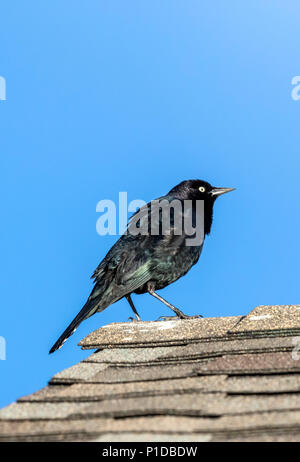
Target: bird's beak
{"x": 219, "y": 191}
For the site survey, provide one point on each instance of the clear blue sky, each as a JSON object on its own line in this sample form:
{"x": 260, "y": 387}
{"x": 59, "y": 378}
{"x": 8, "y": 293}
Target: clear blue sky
{"x": 137, "y": 96}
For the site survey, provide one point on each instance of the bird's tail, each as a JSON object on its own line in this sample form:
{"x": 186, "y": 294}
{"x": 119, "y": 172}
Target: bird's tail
{"x": 88, "y": 310}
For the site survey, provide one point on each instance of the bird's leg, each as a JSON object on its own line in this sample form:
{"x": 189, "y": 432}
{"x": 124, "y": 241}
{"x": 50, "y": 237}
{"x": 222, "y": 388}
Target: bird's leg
{"x": 137, "y": 316}
{"x": 179, "y": 313}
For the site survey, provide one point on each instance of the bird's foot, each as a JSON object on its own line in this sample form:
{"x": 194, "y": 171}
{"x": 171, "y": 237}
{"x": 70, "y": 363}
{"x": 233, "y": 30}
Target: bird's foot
{"x": 134, "y": 319}
{"x": 174, "y": 318}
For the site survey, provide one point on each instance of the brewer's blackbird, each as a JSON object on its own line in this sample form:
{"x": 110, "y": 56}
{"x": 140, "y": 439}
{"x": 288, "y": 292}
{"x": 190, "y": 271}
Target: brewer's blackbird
{"x": 152, "y": 254}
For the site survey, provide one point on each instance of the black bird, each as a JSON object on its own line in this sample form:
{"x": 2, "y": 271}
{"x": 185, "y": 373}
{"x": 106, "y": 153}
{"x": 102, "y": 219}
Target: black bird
{"x": 145, "y": 261}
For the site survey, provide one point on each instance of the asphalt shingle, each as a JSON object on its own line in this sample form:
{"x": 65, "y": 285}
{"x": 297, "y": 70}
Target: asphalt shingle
{"x": 243, "y": 384}
{"x": 257, "y": 363}
{"x": 125, "y": 374}
{"x": 99, "y": 392}
{"x": 272, "y": 319}
{"x": 159, "y": 333}
{"x": 189, "y": 352}
{"x": 188, "y": 404}
{"x": 214, "y": 379}
{"x": 228, "y": 426}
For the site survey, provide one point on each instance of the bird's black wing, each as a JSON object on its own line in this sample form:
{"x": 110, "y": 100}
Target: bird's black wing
{"x": 131, "y": 262}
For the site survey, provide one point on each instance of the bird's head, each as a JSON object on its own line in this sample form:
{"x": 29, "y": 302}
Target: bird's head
{"x": 199, "y": 190}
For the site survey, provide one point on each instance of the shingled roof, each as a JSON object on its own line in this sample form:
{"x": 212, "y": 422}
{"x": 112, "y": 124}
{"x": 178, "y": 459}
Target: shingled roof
{"x": 213, "y": 379}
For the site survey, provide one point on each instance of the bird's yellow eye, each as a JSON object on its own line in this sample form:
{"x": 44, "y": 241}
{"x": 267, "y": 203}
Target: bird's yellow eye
{"x": 202, "y": 189}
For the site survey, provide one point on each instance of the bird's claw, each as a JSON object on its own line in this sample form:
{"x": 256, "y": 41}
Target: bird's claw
{"x": 168, "y": 318}
{"x": 175, "y": 318}
{"x": 133, "y": 319}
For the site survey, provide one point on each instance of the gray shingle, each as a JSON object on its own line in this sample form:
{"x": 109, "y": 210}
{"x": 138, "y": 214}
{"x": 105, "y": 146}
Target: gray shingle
{"x": 267, "y": 384}
{"x": 274, "y": 318}
{"x": 260, "y": 437}
{"x": 81, "y": 372}
{"x": 125, "y": 374}
{"x": 225, "y": 379}
{"x": 43, "y": 393}
{"x": 259, "y": 363}
{"x": 158, "y": 333}
{"x": 98, "y": 392}
{"x": 192, "y": 404}
{"x": 153, "y": 437}
{"x": 128, "y": 355}
{"x": 243, "y": 384}
{"x": 188, "y": 404}
{"x": 190, "y": 352}
{"x": 229, "y": 425}
{"x": 37, "y": 411}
